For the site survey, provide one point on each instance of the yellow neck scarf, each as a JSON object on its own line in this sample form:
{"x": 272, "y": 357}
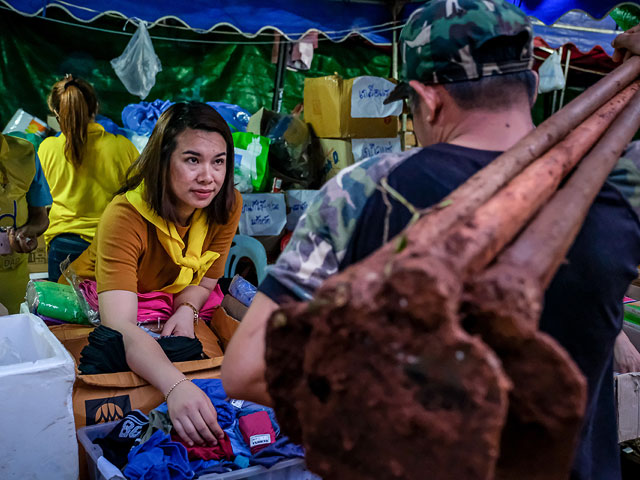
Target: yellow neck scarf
{"x": 193, "y": 263}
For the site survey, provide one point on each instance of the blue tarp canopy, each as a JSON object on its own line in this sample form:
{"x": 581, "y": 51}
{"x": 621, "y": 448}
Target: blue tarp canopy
{"x": 565, "y": 30}
{"x": 337, "y": 19}
{"x": 548, "y": 11}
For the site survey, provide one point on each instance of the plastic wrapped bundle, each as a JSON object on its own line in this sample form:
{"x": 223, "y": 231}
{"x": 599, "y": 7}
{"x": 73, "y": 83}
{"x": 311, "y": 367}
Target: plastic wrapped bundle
{"x": 142, "y": 117}
{"x": 55, "y": 300}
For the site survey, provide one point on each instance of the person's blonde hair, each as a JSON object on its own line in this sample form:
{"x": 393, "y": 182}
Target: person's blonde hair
{"x": 74, "y": 102}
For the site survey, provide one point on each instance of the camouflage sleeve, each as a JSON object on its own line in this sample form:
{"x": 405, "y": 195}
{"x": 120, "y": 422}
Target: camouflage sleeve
{"x": 322, "y": 235}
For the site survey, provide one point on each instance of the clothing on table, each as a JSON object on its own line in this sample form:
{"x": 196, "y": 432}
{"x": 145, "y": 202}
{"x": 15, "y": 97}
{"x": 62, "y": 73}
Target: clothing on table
{"x": 159, "y": 459}
{"x": 127, "y": 255}
{"x": 582, "y": 305}
{"x": 80, "y": 194}
{"x": 246, "y": 407}
{"x": 21, "y": 185}
{"x": 119, "y": 441}
{"x": 105, "y": 352}
{"x": 222, "y": 450}
{"x": 257, "y": 430}
{"x": 281, "y": 449}
{"x": 62, "y": 246}
{"x": 158, "y": 420}
{"x": 234, "y": 453}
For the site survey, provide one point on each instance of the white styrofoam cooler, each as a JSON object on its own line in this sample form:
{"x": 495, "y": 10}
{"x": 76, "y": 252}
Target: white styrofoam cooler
{"x": 37, "y": 439}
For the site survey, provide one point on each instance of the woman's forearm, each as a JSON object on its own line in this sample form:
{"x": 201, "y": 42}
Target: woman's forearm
{"x": 118, "y": 310}
{"x": 195, "y": 295}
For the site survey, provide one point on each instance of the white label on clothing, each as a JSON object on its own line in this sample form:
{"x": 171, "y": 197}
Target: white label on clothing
{"x": 262, "y": 439}
{"x": 367, "y": 95}
{"x": 237, "y": 403}
{"x": 369, "y": 147}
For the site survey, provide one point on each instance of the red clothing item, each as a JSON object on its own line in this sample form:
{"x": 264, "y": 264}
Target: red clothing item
{"x": 257, "y": 430}
{"x": 222, "y": 450}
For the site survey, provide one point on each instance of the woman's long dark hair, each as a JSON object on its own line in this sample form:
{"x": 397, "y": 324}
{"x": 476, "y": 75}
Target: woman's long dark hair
{"x": 152, "y": 166}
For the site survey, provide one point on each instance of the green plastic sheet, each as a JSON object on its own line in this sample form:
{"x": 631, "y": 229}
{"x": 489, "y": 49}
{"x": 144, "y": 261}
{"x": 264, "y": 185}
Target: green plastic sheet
{"x": 626, "y": 16}
{"x": 35, "y": 52}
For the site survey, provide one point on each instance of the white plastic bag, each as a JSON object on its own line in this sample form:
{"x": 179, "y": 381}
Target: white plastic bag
{"x": 551, "y": 76}
{"x": 138, "y": 65}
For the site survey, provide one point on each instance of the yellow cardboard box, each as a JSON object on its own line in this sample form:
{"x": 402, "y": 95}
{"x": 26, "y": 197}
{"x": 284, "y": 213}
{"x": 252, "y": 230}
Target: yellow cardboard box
{"x": 337, "y": 155}
{"x": 327, "y": 107}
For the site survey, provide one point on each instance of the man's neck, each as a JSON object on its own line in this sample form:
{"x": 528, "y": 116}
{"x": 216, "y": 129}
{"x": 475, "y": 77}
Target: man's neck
{"x": 484, "y": 130}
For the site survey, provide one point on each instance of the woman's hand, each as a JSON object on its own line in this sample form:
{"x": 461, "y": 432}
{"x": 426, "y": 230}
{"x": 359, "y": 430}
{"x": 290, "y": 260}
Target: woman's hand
{"x": 193, "y": 416}
{"x": 180, "y": 323}
{"x": 24, "y": 239}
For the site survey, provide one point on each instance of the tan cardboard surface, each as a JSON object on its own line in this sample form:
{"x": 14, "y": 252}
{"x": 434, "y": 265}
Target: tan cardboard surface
{"x": 337, "y": 155}
{"x": 327, "y": 107}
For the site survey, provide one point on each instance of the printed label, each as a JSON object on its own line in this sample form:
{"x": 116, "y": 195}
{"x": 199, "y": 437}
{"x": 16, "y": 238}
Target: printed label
{"x": 237, "y": 403}
{"x": 101, "y": 410}
{"x": 262, "y": 439}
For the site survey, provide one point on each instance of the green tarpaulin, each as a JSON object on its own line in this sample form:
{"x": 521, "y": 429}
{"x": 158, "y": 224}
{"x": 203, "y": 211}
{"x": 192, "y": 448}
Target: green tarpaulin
{"x": 36, "y": 51}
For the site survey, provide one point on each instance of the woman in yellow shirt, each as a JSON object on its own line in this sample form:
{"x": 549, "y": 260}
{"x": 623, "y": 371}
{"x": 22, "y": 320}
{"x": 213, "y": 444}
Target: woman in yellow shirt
{"x": 85, "y": 166}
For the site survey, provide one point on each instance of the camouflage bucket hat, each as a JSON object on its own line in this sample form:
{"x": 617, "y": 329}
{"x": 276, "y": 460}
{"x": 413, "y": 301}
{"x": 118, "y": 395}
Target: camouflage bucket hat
{"x": 455, "y": 40}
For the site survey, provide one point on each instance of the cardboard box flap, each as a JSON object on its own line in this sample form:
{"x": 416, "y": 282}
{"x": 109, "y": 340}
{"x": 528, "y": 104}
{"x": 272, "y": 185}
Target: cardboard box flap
{"x": 130, "y": 379}
{"x": 223, "y": 326}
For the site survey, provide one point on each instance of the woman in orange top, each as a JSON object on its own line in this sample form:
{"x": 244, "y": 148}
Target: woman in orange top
{"x": 169, "y": 229}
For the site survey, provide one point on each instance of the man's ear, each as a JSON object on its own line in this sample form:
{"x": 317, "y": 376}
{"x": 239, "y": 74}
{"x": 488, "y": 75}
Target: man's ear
{"x": 535, "y": 94}
{"x": 430, "y": 98}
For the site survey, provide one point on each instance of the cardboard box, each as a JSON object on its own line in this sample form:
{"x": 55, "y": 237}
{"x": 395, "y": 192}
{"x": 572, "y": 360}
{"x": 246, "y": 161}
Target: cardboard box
{"x": 38, "y": 260}
{"x": 234, "y": 307}
{"x": 327, "y": 107}
{"x": 108, "y": 397}
{"x": 38, "y": 433}
{"x": 337, "y": 155}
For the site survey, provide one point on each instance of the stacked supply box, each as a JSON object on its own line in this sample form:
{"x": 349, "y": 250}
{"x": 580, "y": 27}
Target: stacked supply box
{"x": 350, "y": 118}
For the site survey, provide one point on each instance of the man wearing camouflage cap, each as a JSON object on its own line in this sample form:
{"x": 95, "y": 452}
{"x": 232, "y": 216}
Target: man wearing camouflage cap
{"x": 468, "y": 81}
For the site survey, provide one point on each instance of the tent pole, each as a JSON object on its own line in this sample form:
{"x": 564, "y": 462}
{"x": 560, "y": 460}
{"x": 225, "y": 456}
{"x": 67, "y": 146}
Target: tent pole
{"x": 566, "y": 74}
{"x": 281, "y": 67}
{"x": 394, "y": 70}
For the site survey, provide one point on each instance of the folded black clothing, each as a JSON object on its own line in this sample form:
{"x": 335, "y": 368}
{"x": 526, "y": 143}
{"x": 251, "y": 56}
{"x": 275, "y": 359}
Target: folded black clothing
{"x": 116, "y": 445}
{"x": 181, "y": 349}
{"x": 105, "y": 351}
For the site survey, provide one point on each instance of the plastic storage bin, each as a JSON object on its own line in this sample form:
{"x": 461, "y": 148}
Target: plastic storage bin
{"x": 293, "y": 469}
{"x": 36, "y": 381}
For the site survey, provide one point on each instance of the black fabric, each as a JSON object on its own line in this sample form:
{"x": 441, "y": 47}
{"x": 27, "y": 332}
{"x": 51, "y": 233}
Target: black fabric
{"x": 105, "y": 351}
{"x": 583, "y": 304}
{"x": 116, "y": 445}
